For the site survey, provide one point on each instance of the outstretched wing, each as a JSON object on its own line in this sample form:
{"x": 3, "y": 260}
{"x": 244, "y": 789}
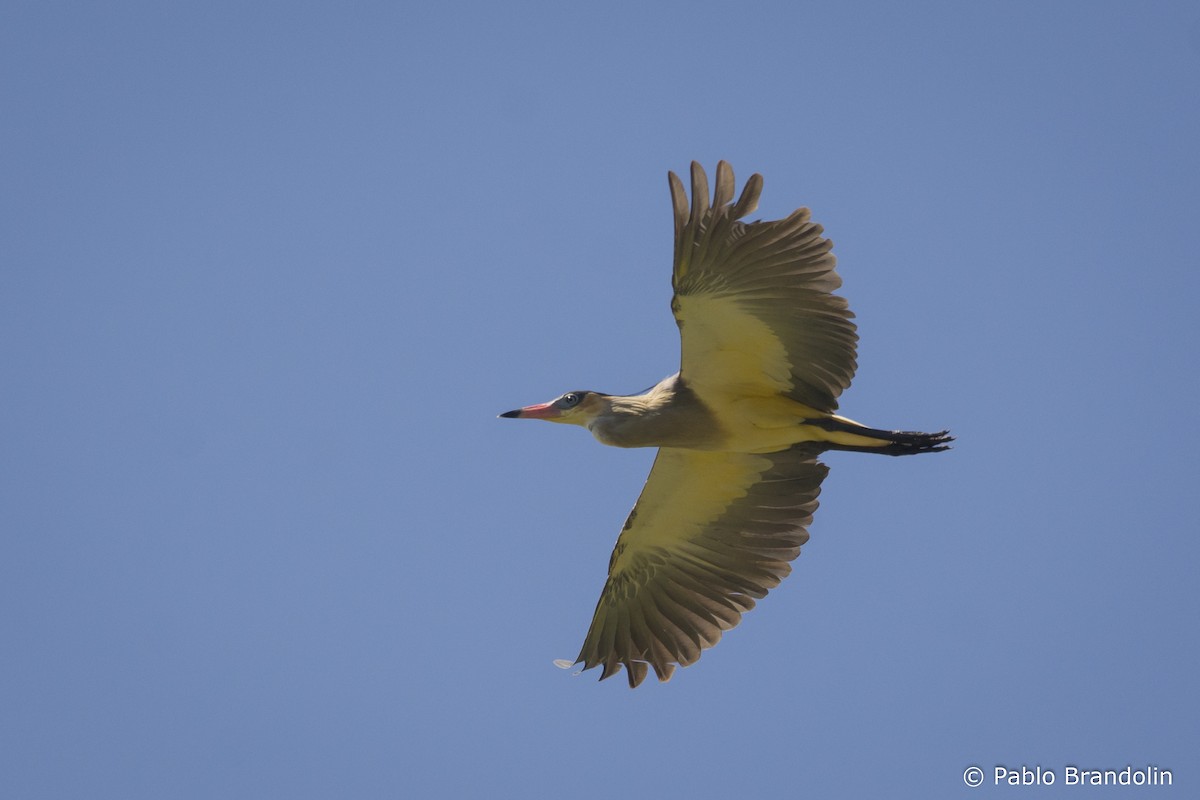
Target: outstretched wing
{"x": 711, "y": 533}
{"x": 754, "y": 301}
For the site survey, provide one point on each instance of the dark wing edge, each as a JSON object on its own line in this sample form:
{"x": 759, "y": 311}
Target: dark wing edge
{"x": 672, "y": 599}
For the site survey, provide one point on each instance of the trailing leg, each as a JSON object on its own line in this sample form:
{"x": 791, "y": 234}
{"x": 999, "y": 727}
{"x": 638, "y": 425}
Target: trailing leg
{"x": 888, "y": 443}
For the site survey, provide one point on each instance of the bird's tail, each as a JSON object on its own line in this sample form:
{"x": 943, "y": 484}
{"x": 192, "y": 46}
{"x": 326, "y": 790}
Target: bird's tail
{"x": 888, "y": 443}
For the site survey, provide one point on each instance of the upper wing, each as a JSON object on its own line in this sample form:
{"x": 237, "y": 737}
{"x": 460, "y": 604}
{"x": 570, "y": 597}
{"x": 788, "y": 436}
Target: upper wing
{"x": 753, "y": 301}
{"x": 711, "y": 532}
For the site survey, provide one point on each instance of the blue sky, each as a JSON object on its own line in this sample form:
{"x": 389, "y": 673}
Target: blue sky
{"x": 267, "y": 275}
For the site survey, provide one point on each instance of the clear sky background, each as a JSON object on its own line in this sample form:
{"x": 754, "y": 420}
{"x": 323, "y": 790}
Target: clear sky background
{"x": 269, "y": 272}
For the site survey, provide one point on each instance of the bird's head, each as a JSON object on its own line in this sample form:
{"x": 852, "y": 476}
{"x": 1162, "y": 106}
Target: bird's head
{"x": 573, "y": 408}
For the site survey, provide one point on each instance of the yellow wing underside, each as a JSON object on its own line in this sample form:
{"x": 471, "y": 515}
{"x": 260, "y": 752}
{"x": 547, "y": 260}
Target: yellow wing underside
{"x": 728, "y": 351}
{"x": 711, "y": 533}
{"x": 754, "y": 301}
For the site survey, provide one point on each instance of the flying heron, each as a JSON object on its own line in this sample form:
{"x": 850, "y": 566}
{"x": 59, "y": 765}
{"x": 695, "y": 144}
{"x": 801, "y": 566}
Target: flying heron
{"x": 767, "y": 348}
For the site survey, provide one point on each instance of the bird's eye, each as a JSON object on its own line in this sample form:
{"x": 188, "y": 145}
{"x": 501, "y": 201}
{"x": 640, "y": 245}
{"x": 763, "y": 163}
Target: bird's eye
{"x": 570, "y": 399}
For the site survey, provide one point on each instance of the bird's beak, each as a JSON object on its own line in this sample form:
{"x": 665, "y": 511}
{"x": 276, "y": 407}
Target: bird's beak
{"x": 539, "y": 411}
